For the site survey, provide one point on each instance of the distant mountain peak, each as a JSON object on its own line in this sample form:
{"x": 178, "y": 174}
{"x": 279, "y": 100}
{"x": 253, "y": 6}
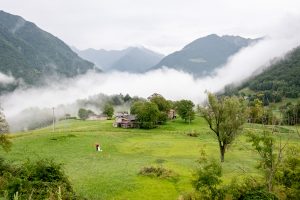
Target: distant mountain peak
{"x": 136, "y": 59}
{"x": 205, "y": 54}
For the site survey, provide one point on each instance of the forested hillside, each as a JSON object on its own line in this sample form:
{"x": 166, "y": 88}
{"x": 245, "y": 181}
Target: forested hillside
{"x": 280, "y": 80}
{"x": 31, "y": 54}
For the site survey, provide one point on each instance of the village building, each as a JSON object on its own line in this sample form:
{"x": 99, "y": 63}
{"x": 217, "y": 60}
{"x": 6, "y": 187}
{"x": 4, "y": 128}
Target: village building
{"x": 125, "y": 120}
{"x": 172, "y": 114}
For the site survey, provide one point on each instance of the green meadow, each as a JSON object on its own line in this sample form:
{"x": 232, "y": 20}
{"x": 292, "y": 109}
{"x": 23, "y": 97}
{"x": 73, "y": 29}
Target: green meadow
{"x": 113, "y": 173}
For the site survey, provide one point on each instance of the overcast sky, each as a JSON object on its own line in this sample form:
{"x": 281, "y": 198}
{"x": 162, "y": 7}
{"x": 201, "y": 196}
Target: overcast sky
{"x": 161, "y": 25}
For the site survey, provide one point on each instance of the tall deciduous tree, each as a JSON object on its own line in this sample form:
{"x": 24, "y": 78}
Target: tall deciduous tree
{"x": 163, "y": 106}
{"x": 108, "y": 110}
{"x": 4, "y": 129}
{"x": 185, "y": 109}
{"x": 225, "y": 117}
{"x": 84, "y": 114}
{"x": 147, "y": 113}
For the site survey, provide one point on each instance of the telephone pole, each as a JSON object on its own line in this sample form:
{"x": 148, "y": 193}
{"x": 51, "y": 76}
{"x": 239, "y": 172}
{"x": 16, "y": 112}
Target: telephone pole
{"x": 53, "y": 119}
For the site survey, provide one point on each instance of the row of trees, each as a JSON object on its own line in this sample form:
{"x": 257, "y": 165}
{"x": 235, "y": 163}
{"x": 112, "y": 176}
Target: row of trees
{"x": 108, "y": 110}
{"x": 258, "y": 113}
{"x": 154, "y": 112}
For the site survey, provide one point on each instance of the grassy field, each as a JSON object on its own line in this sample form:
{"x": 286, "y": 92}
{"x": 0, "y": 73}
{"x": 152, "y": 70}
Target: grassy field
{"x": 113, "y": 173}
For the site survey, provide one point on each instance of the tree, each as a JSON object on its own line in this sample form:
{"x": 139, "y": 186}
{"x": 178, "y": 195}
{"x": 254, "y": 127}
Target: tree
{"x": 84, "y": 114}
{"x": 225, "y": 117}
{"x": 127, "y": 98}
{"x": 291, "y": 113}
{"x": 4, "y": 129}
{"x": 108, "y": 110}
{"x": 147, "y": 113}
{"x": 289, "y": 173}
{"x": 256, "y": 111}
{"x": 185, "y": 109}
{"x": 163, "y": 106}
{"x": 264, "y": 144}
{"x": 207, "y": 178}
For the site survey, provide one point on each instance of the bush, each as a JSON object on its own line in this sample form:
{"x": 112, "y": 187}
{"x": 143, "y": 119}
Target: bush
{"x": 42, "y": 179}
{"x": 249, "y": 188}
{"x": 207, "y": 179}
{"x": 193, "y": 134}
{"x": 258, "y": 195}
{"x": 158, "y": 172}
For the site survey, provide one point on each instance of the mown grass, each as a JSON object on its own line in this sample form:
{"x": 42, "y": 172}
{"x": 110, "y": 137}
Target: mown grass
{"x": 114, "y": 172}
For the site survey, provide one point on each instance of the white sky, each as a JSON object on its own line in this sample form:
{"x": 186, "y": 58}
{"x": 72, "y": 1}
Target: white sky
{"x": 161, "y": 25}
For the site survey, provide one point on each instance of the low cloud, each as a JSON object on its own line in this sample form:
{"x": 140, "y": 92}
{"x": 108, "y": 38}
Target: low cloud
{"x": 6, "y": 79}
{"x": 170, "y": 83}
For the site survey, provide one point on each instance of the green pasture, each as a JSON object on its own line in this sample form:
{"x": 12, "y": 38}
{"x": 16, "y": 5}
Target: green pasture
{"x": 113, "y": 173}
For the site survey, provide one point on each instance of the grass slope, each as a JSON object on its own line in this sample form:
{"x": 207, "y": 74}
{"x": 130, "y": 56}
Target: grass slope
{"x": 113, "y": 173}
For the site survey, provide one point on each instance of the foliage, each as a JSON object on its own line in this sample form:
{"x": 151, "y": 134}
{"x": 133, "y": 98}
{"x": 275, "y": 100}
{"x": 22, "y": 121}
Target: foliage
{"x": 162, "y": 104}
{"x": 207, "y": 178}
{"x": 185, "y": 109}
{"x": 258, "y": 195}
{"x": 248, "y": 188}
{"x": 127, "y": 98}
{"x": 255, "y": 111}
{"x": 259, "y": 114}
{"x": 270, "y": 159}
{"x": 35, "y": 180}
{"x": 225, "y": 118}
{"x": 279, "y": 80}
{"x": 84, "y": 114}
{"x": 291, "y": 113}
{"x": 162, "y": 117}
{"x": 108, "y": 110}
{"x": 289, "y": 174}
{"x": 147, "y": 114}
{"x": 4, "y": 129}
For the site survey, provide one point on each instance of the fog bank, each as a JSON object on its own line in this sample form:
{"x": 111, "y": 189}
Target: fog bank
{"x": 170, "y": 83}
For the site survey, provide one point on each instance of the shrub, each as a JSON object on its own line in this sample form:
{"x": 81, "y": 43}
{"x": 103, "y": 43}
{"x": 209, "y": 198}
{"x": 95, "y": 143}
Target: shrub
{"x": 36, "y": 180}
{"x": 258, "y": 195}
{"x": 158, "y": 172}
{"x": 193, "y": 134}
{"x": 207, "y": 179}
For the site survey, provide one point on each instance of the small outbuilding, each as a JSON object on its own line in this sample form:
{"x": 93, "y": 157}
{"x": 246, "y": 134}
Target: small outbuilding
{"x": 124, "y": 120}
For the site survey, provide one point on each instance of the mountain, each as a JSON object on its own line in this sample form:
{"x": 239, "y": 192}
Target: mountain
{"x": 132, "y": 59}
{"x": 30, "y": 54}
{"x": 204, "y": 55}
{"x": 278, "y": 81}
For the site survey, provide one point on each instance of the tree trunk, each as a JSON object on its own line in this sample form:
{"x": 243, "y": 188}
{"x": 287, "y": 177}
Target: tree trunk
{"x": 222, "y": 151}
